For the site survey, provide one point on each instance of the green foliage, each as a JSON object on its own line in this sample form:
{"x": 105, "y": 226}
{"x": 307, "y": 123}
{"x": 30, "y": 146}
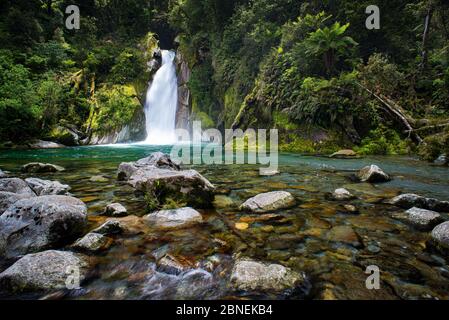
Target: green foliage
{"x": 19, "y": 111}
{"x": 330, "y": 42}
{"x": 383, "y": 141}
{"x": 116, "y": 107}
{"x": 434, "y": 146}
{"x": 128, "y": 66}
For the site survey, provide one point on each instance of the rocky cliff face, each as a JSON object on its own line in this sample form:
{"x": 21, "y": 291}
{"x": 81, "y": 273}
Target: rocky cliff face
{"x": 184, "y": 98}
{"x": 132, "y": 132}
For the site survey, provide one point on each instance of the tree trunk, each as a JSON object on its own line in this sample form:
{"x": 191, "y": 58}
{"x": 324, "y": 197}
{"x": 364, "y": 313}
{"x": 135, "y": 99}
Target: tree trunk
{"x": 425, "y": 37}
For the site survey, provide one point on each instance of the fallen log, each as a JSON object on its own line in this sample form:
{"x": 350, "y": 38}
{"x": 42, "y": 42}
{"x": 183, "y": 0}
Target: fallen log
{"x": 397, "y": 112}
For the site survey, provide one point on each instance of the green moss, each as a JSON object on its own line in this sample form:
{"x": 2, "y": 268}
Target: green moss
{"x": 232, "y": 106}
{"x": 434, "y": 146}
{"x": 383, "y": 141}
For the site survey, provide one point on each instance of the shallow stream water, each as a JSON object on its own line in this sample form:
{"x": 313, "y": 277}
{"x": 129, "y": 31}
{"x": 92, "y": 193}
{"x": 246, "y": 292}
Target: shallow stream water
{"x": 300, "y": 237}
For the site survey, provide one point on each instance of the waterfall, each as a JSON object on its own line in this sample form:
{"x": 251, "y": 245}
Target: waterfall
{"x": 161, "y": 103}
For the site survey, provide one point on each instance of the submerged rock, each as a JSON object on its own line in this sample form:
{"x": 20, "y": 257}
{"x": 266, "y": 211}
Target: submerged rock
{"x": 268, "y": 172}
{"x": 158, "y": 175}
{"x": 16, "y": 185}
{"x": 422, "y": 218}
{"x": 115, "y": 210}
{"x": 410, "y": 200}
{"x": 43, "y": 271}
{"x": 98, "y": 179}
{"x": 174, "y": 265}
{"x": 270, "y": 201}
{"x": 221, "y": 202}
{"x": 350, "y": 208}
{"x": 372, "y": 174}
{"x": 258, "y": 277}
{"x": 344, "y": 234}
{"x": 110, "y": 227}
{"x": 175, "y": 218}
{"x": 344, "y": 154}
{"x": 440, "y": 234}
{"x": 37, "y": 167}
{"x": 39, "y": 223}
{"x": 342, "y": 194}
{"x": 47, "y": 187}
{"x": 92, "y": 243}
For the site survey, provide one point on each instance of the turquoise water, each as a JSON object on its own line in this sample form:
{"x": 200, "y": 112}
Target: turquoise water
{"x": 298, "y": 237}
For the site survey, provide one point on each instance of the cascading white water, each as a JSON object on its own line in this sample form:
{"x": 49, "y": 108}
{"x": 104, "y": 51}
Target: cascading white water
{"x": 161, "y": 103}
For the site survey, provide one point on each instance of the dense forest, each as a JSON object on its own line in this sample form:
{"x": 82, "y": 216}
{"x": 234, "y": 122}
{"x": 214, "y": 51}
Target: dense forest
{"x": 312, "y": 69}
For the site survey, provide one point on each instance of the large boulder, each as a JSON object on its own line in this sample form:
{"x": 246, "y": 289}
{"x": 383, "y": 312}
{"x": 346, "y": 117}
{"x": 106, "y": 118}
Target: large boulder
{"x": 16, "y": 185}
{"x": 44, "y": 271}
{"x": 47, "y": 187}
{"x": 373, "y": 174}
{"x": 175, "y": 218}
{"x": 158, "y": 159}
{"x": 269, "y": 201}
{"x": 422, "y": 219}
{"x": 409, "y": 200}
{"x": 37, "y": 167}
{"x": 39, "y": 223}
{"x": 9, "y": 198}
{"x": 160, "y": 177}
{"x": 440, "y": 234}
{"x": 258, "y": 277}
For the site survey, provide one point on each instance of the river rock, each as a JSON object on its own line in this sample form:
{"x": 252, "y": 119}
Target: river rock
{"x": 344, "y": 154}
{"x": 440, "y": 234}
{"x": 442, "y": 160}
{"x": 98, "y": 179}
{"x": 342, "y": 194}
{"x": 344, "y": 234}
{"x": 410, "y": 200}
{"x": 47, "y": 187}
{"x": 92, "y": 243}
{"x": 41, "y": 144}
{"x": 270, "y": 201}
{"x": 174, "y": 265}
{"x": 422, "y": 218}
{"x": 254, "y": 276}
{"x": 350, "y": 208}
{"x": 37, "y": 167}
{"x": 2, "y": 174}
{"x": 43, "y": 271}
{"x": 158, "y": 159}
{"x": 115, "y": 210}
{"x": 39, "y": 223}
{"x": 16, "y": 185}
{"x": 175, "y": 218}
{"x": 9, "y": 198}
{"x": 110, "y": 227}
{"x": 159, "y": 175}
{"x": 372, "y": 174}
